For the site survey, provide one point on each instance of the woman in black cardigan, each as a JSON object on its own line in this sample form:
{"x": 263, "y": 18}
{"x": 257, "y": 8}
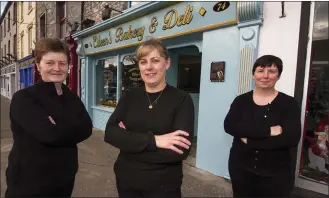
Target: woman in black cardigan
{"x": 48, "y": 121}
{"x": 153, "y": 127}
{"x": 265, "y": 125}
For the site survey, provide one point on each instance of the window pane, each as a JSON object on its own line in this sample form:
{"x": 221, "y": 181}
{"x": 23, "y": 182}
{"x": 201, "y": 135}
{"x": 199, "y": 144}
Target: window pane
{"x": 131, "y": 77}
{"x": 106, "y": 82}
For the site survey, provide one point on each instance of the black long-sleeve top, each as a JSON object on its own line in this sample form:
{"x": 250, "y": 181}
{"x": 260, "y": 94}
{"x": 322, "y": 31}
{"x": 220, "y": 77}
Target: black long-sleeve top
{"x": 44, "y": 155}
{"x": 263, "y": 154}
{"x": 140, "y": 163}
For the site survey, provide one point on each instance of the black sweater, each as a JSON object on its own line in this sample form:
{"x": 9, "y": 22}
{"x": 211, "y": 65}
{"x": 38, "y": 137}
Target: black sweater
{"x": 140, "y": 163}
{"x": 44, "y": 156}
{"x": 263, "y": 154}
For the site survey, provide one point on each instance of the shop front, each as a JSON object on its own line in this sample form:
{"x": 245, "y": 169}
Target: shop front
{"x": 9, "y": 80}
{"x": 26, "y": 71}
{"x": 313, "y": 170}
{"x": 212, "y": 46}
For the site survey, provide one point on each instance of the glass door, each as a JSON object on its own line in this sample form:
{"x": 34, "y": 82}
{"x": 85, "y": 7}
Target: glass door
{"x": 315, "y": 145}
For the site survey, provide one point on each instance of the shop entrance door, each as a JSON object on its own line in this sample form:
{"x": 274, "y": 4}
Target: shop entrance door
{"x": 314, "y": 162}
{"x": 185, "y": 74}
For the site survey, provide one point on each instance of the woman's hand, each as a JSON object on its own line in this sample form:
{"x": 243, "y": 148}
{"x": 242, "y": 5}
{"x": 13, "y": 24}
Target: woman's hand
{"x": 276, "y": 130}
{"x": 51, "y": 120}
{"x": 122, "y": 125}
{"x": 168, "y": 141}
{"x": 244, "y": 140}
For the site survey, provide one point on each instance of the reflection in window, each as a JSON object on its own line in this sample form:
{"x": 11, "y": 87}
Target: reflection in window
{"x": 106, "y": 82}
{"x": 131, "y": 77}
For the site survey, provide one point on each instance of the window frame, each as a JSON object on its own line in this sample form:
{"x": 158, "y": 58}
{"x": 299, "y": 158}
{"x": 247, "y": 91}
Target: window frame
{"x": 8, "y": 47}
{"x": 118, "y": 87}
{"x": 45, "y": 26}
{"x": 9, "y": 21}
{"x": 61, "y": 18}
{"x": 29, "y": 35}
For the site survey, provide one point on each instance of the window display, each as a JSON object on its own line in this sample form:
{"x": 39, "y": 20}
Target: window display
{"x": 131, "y": 77}
{"x": 314, "y": 159}
{"x": 106, "y": 82}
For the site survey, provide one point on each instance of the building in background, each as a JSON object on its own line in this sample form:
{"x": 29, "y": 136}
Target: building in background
{"x": 26, "y": 31}
{"x": 8, "y": 53}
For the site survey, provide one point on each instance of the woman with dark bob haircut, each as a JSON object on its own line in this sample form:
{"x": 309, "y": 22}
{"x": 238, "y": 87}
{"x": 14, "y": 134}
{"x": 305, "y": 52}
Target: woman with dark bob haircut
{"x": 265, "y": 124}
{"x": 48, "y": 121}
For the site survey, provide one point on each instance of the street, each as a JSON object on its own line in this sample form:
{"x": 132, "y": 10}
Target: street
{"x": 96, "y": 158}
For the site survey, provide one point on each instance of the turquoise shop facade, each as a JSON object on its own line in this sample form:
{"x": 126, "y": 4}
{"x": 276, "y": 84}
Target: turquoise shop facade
{"x": 217, "y": 31}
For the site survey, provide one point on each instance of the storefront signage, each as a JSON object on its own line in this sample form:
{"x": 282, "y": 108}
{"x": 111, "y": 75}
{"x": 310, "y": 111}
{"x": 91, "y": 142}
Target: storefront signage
{"x": 221, "y": 6}
{"x": 134, "y": 74}
{"x": 26, "y": 63}
{"x": 179, "y": 19}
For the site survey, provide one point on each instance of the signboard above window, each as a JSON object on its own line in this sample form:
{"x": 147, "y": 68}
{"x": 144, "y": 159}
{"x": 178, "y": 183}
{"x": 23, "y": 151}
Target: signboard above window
{"x": 176, "y": 20}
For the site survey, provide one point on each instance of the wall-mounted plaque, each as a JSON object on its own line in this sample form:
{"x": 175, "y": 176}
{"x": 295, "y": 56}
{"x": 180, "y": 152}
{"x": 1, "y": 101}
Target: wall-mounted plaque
{"x": 217, "y": 71}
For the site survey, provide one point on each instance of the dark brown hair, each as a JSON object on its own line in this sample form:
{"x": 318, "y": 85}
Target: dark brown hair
{"x": 50, "y": 45}
{"x": 268, "y": 61}
{"x": 148, "y": 46}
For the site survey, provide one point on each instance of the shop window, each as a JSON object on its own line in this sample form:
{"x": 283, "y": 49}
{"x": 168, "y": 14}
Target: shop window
{"x": 189, "y": 73}
{"x": 106, "y": 82}
{"x": 131, "y": 77}
{"x": 314, "y": 159}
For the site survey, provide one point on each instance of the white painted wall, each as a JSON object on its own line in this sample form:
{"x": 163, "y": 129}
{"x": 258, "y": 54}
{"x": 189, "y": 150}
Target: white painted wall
{"x": 279, "y": 37}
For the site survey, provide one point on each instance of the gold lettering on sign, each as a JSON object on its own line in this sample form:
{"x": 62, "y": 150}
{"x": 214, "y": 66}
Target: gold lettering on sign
{"x": 172, "y": 19}
{"x": 130, "y": 34}
{"x": 154, "y": 24}
{"x": 100, "y": 42}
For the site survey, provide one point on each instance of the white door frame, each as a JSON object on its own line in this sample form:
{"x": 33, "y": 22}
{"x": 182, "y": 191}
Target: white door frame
{"x": 299, "y": 181}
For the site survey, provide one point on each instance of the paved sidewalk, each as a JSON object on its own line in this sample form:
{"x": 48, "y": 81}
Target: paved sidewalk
{"x": 96, "y": 158}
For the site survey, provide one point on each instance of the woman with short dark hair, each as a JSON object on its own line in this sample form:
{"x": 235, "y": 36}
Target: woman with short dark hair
{"x": 48, "y": 121}
{"x": 265, "y": 124}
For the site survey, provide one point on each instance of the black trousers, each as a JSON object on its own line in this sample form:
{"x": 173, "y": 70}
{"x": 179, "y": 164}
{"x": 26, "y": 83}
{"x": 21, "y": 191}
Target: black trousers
{"x": 58, "y": 191}
{"x": 126, "y": 191}
{"x": 248, "y": 184}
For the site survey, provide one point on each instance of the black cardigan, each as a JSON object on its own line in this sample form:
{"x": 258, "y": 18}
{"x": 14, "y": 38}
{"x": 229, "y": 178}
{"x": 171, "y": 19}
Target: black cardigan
{"x": 263, "y": 154}
{"x": 45, "y": 155}
{"x": 140, "y": 163}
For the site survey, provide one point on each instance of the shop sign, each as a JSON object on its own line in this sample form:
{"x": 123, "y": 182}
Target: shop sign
{"x": 26, "y": 63}
{"x": 176, "y": 20}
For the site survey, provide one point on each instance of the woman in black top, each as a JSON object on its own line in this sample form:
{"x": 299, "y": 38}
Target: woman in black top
{"x": 265, "y": 124}
{"x": 47, "y": 121}
{"x": 152, "y": 126}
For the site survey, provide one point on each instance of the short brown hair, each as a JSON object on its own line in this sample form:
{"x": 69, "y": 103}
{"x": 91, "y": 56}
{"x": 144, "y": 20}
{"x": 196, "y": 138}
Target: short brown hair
{"x": 50, "y": 45}
{"x": 148, "y": 46}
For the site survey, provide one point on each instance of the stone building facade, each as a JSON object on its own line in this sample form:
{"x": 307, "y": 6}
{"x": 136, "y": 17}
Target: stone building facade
{"x": 93, "y": 9}
{"x": 49, "y": 17}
